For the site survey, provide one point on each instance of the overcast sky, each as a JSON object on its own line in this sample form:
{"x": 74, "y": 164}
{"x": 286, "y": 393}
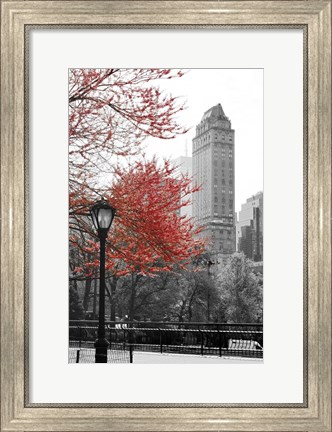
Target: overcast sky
{"x": 240, "y": 93}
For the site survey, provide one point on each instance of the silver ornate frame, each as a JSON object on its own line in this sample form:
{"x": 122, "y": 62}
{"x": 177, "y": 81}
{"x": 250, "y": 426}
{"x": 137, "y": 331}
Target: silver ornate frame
{"x": 314, "y": 17}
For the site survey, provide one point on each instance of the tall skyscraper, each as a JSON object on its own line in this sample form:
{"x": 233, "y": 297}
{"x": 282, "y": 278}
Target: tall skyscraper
{"x": 249, "y": 228}
{"x": 213, "y": 170}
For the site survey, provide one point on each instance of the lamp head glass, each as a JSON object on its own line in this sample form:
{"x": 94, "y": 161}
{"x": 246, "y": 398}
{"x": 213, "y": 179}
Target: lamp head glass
{"x": 102, "y": 215}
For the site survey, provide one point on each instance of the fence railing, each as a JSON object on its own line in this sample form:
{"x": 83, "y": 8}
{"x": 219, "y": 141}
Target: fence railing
{"x": 213, "y": 339}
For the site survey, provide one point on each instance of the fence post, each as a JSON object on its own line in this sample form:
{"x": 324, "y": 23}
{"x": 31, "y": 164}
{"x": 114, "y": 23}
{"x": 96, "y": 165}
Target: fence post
{"x": 202, "y": 341}
{"x": 130, "y": 353}
{"x": 110, "y": 341}
{"x": 219, "y": 342}
{"x": 79, "y": 346}
{"x": 80, "y": 338}
{"x": 161, "y": 340}
{"x": 124, "y": 337}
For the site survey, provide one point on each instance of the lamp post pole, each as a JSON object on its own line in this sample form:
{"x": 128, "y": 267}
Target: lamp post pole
{"x": 102, "y": 217}
{"x": 209, "y": 264}
{"x": 101, "y": 343}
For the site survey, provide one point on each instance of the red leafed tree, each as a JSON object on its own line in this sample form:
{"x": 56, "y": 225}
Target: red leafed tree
{"x": 148, "y": 234}
{"x": 111, "y": 112}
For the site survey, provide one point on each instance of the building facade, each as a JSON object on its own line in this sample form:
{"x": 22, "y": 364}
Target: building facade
{"x": 183, "y": 166}
{"x": 249, "y": 228}
{"x": 213, "y": 171}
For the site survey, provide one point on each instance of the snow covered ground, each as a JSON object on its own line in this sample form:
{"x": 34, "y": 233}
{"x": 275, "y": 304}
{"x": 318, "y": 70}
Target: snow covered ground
{"x": 156, "y": 358}
{"x": 87, "y": 356}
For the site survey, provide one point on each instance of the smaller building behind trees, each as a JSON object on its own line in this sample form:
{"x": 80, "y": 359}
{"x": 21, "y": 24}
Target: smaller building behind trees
{"x": 249, "y": 228}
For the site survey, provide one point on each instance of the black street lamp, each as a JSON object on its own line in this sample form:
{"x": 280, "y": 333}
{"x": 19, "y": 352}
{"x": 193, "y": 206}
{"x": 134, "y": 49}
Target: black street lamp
{"x": 209, "y": 263}
{"x": 102, "y": 217}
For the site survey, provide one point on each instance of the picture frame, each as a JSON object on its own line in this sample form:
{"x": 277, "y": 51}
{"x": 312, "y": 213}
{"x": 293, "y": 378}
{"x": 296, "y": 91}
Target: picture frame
{"x": 17, "y": 413}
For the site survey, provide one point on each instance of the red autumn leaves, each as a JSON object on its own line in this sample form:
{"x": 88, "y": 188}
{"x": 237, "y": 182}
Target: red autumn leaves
{"x": 111, "y": 113}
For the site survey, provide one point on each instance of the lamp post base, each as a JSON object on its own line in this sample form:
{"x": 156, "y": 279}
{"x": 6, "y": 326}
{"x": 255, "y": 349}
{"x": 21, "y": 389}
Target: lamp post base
{"x": 101, "y": 346}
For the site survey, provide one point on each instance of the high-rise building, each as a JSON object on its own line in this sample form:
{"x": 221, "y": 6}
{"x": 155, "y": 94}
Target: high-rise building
{"x": 184, "y": 168}
{"x": 213, "y": 170}
{"x": 249, "y": 228}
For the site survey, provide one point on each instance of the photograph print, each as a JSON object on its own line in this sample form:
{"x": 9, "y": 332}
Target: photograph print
{"x": 165, "y": 216}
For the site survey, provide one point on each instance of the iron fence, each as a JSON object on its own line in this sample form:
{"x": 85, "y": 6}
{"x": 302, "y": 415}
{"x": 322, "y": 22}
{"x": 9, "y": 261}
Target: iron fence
{"x": 213, "y": 339}
{"x": 83, "y": 351}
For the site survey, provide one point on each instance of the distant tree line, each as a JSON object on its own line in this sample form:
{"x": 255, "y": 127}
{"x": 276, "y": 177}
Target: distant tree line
{"x": 198, "y": 293}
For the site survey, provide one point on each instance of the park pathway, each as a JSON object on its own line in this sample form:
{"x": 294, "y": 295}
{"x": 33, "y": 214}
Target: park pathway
{"x": 87, "y": 355}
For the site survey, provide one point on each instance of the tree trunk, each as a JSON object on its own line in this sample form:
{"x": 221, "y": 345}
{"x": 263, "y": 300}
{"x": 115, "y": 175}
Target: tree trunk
{"x": 87, "y": 290}
{"x": 95, "y": 299}
{"x": 132, "y": 302}
{"x": 190, "y": 303}
{"x": 190, "y": 314}
{"x": 208, "y": 306}
{"x": 134, "y": 282}
{"x": 114, "y": 282}
{"x": 183, "y": 306}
